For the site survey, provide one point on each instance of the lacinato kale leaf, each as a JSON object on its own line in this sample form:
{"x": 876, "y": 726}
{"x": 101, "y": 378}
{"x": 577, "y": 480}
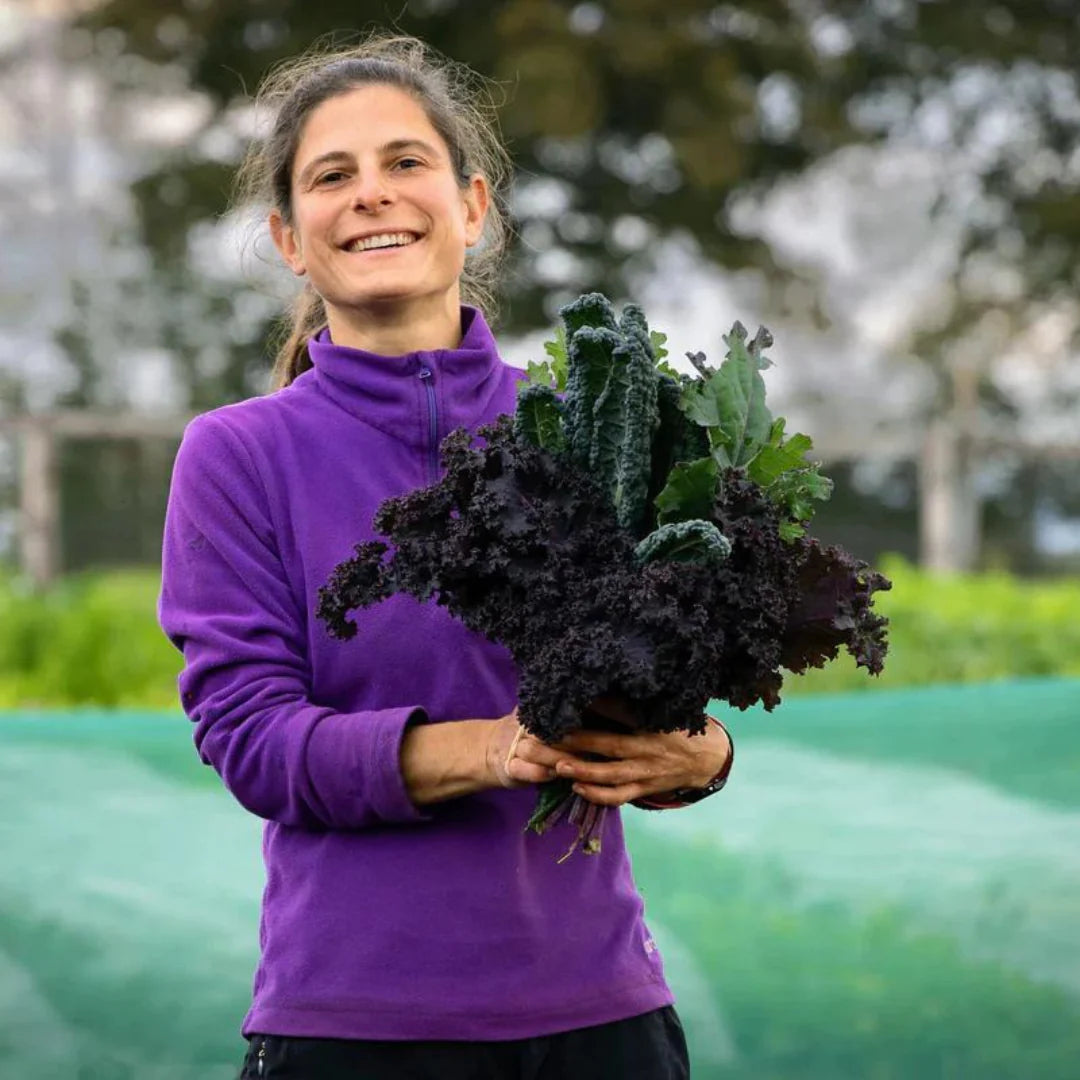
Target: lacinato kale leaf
{"x": 590, "y": 352}
{"x": 684, "y": 541}
{"x": 538, "y": 418}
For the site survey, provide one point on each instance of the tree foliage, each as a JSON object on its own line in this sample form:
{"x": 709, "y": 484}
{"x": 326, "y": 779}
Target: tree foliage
{"x": 634, "y": 120}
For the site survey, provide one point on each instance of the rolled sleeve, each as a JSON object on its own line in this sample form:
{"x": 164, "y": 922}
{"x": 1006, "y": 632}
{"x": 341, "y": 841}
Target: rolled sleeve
{"x": 358, "y": 763}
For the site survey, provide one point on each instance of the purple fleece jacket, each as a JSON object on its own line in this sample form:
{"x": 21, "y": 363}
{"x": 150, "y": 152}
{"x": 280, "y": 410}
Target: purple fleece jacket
{"x": 380, "y": 920}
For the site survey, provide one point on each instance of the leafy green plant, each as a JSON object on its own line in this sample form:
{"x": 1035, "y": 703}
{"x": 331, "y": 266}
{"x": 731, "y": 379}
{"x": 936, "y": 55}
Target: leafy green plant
{"x": 90, "y": 639}
{"x": 581, "y": 538}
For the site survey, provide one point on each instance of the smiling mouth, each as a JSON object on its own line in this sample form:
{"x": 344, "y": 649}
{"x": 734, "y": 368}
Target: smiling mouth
{"x": 383, "y": 242}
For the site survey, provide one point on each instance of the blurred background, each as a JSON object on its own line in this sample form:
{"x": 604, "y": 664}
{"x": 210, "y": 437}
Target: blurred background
{"x": 890, "y": 887}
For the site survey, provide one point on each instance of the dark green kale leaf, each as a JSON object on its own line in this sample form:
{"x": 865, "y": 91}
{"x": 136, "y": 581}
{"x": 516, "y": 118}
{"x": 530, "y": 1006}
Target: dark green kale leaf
{"x": 591, "y": 351}
{"x": 684, "y": 541}
{"x": 538, "y": 417}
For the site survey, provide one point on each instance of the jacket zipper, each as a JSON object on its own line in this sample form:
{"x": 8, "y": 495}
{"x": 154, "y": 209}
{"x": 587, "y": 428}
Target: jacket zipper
{"x": 262, "y": 1056}
{"x": 433, "y": 426}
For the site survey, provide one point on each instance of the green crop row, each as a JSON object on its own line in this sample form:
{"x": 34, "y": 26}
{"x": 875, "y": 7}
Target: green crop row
{"x": 964, "y": 629}
{"x": 94, "y": 638}
{"x": 91, "y": 639}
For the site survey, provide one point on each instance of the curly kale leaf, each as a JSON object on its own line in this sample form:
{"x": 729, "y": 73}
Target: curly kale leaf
{"x": 833, "y": 610}
{"x": 356, "y": 583}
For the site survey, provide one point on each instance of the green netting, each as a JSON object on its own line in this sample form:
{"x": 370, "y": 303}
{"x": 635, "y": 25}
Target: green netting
{"x": 888, "y": 887}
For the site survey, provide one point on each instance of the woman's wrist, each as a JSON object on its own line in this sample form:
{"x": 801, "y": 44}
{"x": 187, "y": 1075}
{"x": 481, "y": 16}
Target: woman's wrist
{"x": 447, "y": 760}
{"x": 672, "y": 800}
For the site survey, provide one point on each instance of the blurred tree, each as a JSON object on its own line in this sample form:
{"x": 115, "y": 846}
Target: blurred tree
{"x": 635, "y": 120}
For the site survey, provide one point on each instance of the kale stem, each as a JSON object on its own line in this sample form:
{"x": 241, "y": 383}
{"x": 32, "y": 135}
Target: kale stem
{"x": 595, "y": 833}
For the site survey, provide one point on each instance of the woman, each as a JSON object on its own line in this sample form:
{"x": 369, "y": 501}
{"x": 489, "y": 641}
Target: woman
{"x": 410, "y": 928}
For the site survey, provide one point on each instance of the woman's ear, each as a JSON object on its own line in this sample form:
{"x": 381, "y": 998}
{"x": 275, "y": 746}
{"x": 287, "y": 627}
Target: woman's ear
{"x": 476, "y": 198}
{"x": 285, "y": 240}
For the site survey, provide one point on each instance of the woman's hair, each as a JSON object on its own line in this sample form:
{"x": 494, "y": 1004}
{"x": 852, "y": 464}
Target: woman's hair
{"x": 456, "y": 102}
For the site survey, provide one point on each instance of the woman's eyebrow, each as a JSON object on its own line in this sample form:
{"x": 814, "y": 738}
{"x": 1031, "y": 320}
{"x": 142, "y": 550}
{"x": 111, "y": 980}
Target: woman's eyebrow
{"x": 408, "y": 144}
{"x": 387, "y": 148}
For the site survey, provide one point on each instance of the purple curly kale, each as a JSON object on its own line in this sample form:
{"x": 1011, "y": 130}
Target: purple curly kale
{"x": 523, "y": 548}
{"x": 629, "y": 533}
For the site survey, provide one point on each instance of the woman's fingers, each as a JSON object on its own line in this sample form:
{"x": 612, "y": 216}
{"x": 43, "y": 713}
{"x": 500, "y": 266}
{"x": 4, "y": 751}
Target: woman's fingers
{"x": 526, "y": 772}
{"x": 522, "y": 758}
{"x": 529, "y": 748}
{"x": 608, "y": 773}
{"x": 614, "y": 796}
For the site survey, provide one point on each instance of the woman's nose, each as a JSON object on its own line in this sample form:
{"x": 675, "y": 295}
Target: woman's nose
{"x": 371, "y": 191}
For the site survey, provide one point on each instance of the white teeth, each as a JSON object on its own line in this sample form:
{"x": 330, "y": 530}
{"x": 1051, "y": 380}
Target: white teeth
{"x": 382, "y": 240}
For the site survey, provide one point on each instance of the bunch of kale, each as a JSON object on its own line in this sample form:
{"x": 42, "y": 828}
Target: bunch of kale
{"x": 630, "y": 532}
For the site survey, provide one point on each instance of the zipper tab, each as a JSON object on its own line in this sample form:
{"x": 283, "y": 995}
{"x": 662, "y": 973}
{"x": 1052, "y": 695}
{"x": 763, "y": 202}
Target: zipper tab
{"x": 262, "y": 1057}
{"x": 425, "y": 374}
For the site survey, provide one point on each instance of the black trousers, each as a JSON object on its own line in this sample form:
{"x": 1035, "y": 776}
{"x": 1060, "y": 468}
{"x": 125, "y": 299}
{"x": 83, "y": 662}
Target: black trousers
{"x": 647, "y": 1047}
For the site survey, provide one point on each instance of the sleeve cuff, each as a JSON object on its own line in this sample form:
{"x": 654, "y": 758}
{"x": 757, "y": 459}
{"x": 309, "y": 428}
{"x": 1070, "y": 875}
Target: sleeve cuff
{"x": 354, "y": 762}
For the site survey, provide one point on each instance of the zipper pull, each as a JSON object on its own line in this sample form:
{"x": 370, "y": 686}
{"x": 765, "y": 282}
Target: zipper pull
{"x": 262, "y": 1057}
{"x": 425, "y": 373}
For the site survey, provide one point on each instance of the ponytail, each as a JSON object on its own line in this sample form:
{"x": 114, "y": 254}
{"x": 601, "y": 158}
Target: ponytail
{"x": 307, "y": 318}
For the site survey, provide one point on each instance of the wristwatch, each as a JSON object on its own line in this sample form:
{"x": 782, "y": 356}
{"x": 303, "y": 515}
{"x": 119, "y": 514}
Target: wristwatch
{"x": 672, "y": 800}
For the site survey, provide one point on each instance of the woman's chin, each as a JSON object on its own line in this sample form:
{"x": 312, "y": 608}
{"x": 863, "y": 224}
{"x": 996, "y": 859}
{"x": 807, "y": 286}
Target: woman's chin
{"x": 383, "y": 299}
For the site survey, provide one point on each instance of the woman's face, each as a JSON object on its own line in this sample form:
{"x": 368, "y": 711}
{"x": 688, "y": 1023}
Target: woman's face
{"x": 370, "y": 164}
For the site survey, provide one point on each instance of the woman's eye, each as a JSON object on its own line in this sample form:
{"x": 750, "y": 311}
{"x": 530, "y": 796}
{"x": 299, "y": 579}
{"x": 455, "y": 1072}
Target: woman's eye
{"x": 332, "y": 175}
{"x": 409, "y": 161}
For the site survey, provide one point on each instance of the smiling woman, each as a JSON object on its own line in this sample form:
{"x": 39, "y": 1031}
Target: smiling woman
{"x": 379, "y": 222}
{"x": 383, "y": 138}
{"x": 409, "y": 928}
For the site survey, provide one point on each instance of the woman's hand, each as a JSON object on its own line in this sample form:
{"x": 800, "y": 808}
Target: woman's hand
{"x": 515, "y": 758}
{"x": 643, "y": 763}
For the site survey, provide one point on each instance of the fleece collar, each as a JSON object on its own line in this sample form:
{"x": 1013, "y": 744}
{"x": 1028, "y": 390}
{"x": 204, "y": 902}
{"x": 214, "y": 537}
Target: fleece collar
{"x": 392, "y": 393}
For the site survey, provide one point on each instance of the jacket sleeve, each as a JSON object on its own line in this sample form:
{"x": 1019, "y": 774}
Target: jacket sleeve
{"x": 227, "y": 605}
